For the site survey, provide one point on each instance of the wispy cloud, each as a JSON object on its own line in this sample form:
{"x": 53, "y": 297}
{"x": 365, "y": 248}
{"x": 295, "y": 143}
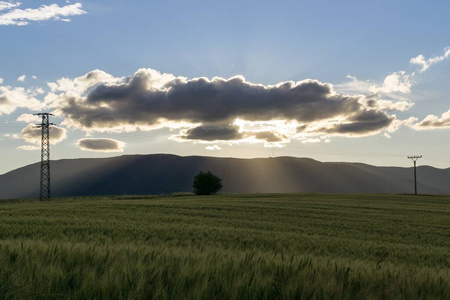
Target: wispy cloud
{"x": 395, "y": 85}
{"x": 4, "y": 5}
{"x": 21, "y": 17}
{"x": 426, "y": 63}
{"x": 29, "y": 147}
{"x": 22, "y": 78}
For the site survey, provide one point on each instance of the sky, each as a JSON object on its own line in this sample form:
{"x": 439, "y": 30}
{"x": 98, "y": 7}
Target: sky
{"x": 347, "y": 81}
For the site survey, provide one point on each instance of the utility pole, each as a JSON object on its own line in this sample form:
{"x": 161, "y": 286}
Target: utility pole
{"x": 414, "y": 159}
{"x": 45, "y": 156}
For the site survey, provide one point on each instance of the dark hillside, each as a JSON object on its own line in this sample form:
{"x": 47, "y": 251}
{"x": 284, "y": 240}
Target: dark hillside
{"x": 164, "y": 174}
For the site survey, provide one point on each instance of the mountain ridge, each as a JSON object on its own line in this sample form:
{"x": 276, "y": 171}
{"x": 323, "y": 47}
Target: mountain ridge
{"x": 168, "y": 173}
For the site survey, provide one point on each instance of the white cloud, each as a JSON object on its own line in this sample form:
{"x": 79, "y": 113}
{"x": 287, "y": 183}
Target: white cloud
{"x": 1, "y": 80}
{"x": 397, "y": 123}
{"x": 5, "y": 5}
{"x": 389, "y": 105}
{"x": 434, "y": 122}
{"x": 21, "y": 17}
{"x": 311, "y": 140}
{"x": 82, "y": 84}
{"x": 29, "y": 147}
{"x": 397, "y": 82}
{"x": 427, "y": 63}
{"x": 22, "y": 78}
{"x": 12, "y": 98}
{"x": 394, "y": 85}
{"x": 34, "y": 77}
{"x": 212, "y": 148}
{"x": 29, "y": 118}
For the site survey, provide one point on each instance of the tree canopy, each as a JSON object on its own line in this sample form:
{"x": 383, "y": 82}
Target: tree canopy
{"x": 206, "y": 183}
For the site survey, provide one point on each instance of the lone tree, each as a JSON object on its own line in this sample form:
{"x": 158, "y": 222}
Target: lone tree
{"x": 206, "y": 183}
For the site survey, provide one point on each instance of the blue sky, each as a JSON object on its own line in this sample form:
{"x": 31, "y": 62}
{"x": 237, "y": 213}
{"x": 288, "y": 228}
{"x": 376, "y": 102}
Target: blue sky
{"x": 359, "y": 89}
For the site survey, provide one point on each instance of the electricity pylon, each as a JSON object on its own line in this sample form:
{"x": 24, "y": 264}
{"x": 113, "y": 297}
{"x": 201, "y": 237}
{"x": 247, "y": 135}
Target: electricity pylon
{"x": 414, "y": 159}
{"x": 45, "y": 156}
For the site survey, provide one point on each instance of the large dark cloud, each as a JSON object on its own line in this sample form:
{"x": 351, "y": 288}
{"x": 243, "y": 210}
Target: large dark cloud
{"x": 148, "y": 97}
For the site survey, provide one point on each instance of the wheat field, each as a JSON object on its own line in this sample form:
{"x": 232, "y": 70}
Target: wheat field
{"x": 261, "y": 246}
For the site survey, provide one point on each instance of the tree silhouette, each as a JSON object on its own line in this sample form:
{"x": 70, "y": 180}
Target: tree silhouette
{"x": 206, "y": 183}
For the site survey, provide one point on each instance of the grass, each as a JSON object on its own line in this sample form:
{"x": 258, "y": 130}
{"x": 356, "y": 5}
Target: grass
{"x": 290, "y": 246}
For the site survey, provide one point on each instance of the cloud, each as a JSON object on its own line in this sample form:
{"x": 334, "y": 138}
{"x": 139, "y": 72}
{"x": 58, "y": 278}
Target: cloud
{"x": 83, "y": 83}
{"x": 1, "y": 80}
{"x": 397, "y": 82}
{"x": 213, "y": 133}
{"x": 29, "y": 147}
{"x": 395, "y": 125}
{"x": 12, "y": 98}
{"x": 388, "y": 105}
{"x": 394, "y": 86}
{"x": 101, "y": 145}
{"x": 270, "y": 137}
{"x": 4, "y": 5}
{"x": 362, "y": 123}
{"x": 311, "y": 140}
{"x": 33, "y": 134}
{"x": 212, "y": 148}
{"x": 22, "y": 78}
{"x": 29, "y": 118}
{"x": 427, "y": 63}
{"x": 21, "y": 17}
{"x": 209, "y": 109}
{"x": 434, "y": 122}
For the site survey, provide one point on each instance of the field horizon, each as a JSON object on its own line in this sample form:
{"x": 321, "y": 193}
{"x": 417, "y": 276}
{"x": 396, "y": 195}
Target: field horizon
{"x": 294, "y": 246}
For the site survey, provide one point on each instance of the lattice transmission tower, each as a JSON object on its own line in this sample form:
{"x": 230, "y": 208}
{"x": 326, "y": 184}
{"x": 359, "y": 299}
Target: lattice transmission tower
{"x": 45, "y": 156}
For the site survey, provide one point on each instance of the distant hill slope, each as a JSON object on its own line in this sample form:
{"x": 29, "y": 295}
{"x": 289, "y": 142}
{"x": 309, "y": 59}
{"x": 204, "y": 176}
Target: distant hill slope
{"x": 163, "y": 174}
